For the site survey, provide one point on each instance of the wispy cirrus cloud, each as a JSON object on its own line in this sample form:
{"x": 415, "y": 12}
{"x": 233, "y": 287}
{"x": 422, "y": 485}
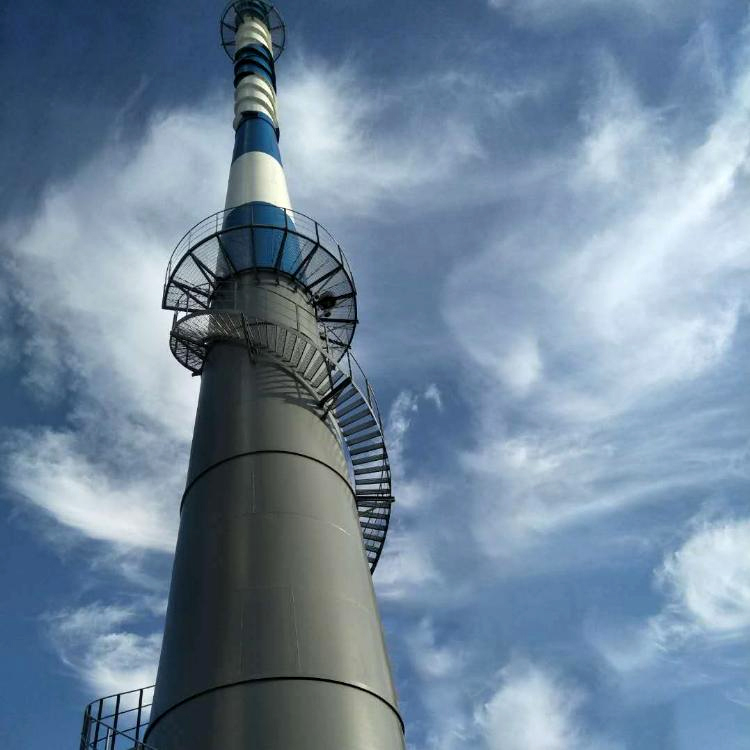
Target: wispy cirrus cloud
{"x": 97, "y": 643}
{"x": 631, "y": 288}
{"x": 548, "y": 13}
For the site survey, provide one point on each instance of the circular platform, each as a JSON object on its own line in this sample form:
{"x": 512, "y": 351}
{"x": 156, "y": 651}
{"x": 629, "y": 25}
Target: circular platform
{"x": 341, "y": 389}
{"x": 230, "y": 20}
{"x": 256, "y": 238}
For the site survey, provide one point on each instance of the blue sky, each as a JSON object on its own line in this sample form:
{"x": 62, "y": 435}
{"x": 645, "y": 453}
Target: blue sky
{"x": 545, "y": 207}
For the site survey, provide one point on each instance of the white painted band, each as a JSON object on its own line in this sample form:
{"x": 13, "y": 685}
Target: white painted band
{"x": 252, "y": 31}
{"x": 256, "y": 176}
{"x": 255, "y": 94}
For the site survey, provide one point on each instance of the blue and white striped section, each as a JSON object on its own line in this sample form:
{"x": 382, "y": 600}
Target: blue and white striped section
{"x": 256, "y": 175}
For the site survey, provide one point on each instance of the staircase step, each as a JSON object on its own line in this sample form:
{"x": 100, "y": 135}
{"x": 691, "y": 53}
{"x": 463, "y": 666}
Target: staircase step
{"x": 354, "y": 405}
{"x": 316, "y": 362}
{"x": 377, "y": 469}
{"x": 342, "y": 385}
{"x": 367, "y": 459}
{"x": 379, "y": 501}
{"x": 296, "y": 351}
{"x": 357, "y": 428}
{"x": 354, "y": 418}
{"x": 378, "y": 523}
{"x": 373, "y": 537}
{"x": 346, "y": 394}
{"x": 304, "y": 361}
{"x": 372, "y": 435}
{"x": 372, "y": 482}
{"x": 373, "y": 513}
{"x": 287, "y": 345}
{"x": 320, "y": 375}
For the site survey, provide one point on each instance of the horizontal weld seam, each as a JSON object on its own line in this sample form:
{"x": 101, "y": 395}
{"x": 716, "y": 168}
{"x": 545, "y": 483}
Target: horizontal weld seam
{"x": 258, "y": 453}
{"x": 279, "y": 678}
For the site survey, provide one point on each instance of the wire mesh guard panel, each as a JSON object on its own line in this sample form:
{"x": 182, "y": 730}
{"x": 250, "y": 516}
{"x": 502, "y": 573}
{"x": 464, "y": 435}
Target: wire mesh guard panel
{"x": 118, "y": 722}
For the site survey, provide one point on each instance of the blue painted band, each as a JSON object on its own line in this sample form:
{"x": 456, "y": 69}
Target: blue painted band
{"x": 256, "y": 133}
{"x": 249, "y": 69}
{"x": 254, "y": 58}
{"x": 261, "y": 236}
{"x": 259, "y": 51}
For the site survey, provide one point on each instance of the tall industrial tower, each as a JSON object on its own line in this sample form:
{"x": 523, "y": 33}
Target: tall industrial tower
{"x": 272, "y": 639}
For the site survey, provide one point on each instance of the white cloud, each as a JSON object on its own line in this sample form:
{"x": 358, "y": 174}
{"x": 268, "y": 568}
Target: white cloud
{"x": 337, "y": 154}
{"x": 534, "y": 709}
{"x": 400, "y": 417}
{"x": 708, "y": 579}
{"x": 431, "y": 660}
{"x": 643, "y": 290}
{"x": 551, "y": 12}
{"x": 432, "y": 393}
{"x": 706, "y": 585}
{"x": 406, "y": 566}
{"x": 88, "y": 268}
{"x": 624, "y": 285}
{"x": 96, "y": 644}
{"x": 52, "y": 471}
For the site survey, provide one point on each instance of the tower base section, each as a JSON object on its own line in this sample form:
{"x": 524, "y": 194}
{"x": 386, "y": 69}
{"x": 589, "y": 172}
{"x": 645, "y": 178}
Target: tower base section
{"x": 289, "y": 714}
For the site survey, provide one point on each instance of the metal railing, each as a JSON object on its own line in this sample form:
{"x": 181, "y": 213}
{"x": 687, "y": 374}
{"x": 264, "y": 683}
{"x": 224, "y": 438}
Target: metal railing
{"x": 349, "y": 365}
{"x": 294, "y": 223}
{"x": 118, "y": 722}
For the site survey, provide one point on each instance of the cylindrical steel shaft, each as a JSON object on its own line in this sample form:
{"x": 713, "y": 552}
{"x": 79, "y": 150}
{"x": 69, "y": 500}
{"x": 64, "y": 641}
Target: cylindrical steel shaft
{"x": 273, "y": 638}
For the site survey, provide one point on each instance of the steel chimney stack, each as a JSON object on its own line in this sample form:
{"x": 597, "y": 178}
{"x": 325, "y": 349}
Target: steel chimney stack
{"x": 273, "y": 638}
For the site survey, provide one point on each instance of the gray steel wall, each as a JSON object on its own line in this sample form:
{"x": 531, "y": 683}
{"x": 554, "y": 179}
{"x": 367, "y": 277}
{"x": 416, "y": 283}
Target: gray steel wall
{"x": 273, "y": 638}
